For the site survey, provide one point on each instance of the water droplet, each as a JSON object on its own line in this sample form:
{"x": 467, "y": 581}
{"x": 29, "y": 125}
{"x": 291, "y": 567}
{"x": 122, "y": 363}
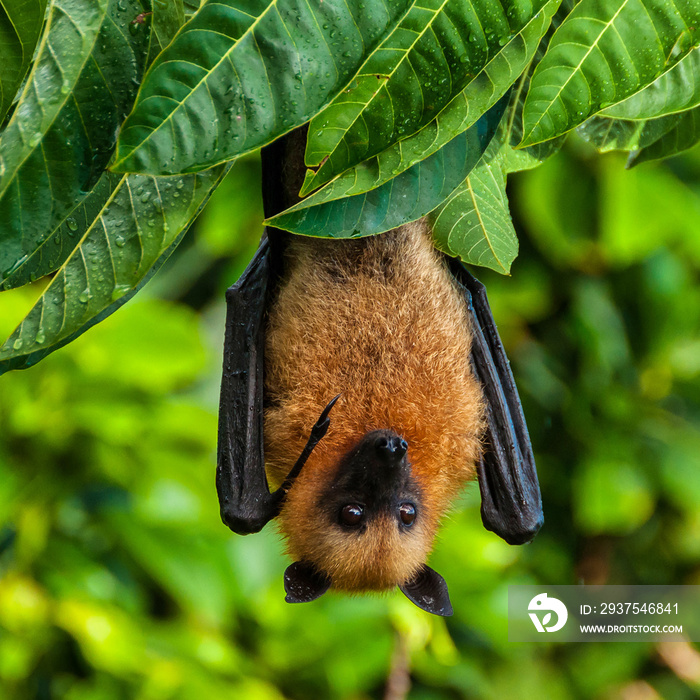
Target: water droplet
{"x": 119, "y": 291}
{"x": 65, "y": 87}
{"x": 145, "y": 196}
{"x": 17, "y": 344}
{"x": 85, "y": 296}
{"x": 15, "y": 267}
{"x": 34, "y": 140}
{"x": 40, "y": 336}
{"x": 120, "y": 241}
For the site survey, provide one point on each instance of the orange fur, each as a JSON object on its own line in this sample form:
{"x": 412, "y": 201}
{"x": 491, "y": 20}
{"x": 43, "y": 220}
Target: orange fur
{"x": 381, "y": 321}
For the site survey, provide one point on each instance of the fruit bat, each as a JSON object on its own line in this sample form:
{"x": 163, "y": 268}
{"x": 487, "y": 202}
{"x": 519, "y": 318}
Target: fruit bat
{"x": 365, "y": 380}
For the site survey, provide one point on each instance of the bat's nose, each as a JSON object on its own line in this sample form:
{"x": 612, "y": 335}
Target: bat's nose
{"x": 391, "y": 449}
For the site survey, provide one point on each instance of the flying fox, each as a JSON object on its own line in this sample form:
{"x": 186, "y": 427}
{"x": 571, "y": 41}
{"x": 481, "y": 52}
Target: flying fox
{"x": 364, "y": 385}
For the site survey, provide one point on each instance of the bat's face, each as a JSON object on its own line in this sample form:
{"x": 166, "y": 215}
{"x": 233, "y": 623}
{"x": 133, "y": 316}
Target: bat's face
{"x": 367, "y": 527}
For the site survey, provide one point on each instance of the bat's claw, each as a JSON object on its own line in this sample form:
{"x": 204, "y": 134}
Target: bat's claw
{"x": 317, "y": 433}
{"x": 321, "y": 426}
{"x": 323, "y": 418}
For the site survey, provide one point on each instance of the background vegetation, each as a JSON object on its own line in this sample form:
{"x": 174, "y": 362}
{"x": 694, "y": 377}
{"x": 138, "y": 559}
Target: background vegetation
{"x": 118, "y": 580}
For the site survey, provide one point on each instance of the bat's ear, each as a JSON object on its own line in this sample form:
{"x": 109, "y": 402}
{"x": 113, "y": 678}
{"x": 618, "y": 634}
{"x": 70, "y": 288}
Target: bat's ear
{"x": 303, "y": 583}
{"x": 428, "y": 590}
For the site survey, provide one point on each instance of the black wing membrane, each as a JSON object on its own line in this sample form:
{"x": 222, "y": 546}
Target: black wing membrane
{"x": 511, "y": 505}
{"x": 244, "y": 495}
{"x": 241, "y": 481}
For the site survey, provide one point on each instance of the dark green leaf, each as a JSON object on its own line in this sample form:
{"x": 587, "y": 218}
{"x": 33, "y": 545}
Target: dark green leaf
{"x": 511, "y": 131}
{"x": 236, "y": 78}
{"x": 62, "y": 132}
{"x": 443, "y": 67}
{"x": 168, "y": 17}
{"x": 675, "y": 91}
{"x": 457, "y": 116}
{"x": 49, "y": 255}
{"x": 134, "y": 233}
{"x": 605, "y": 51}
{"x": 331, "y": 213}
{"x": 625, "y": 135}
{"x": 20, "y": 26}
{"x": 684, "y": 135}
{"x": 474, "y": 224}
{"x": 190, "y": 6}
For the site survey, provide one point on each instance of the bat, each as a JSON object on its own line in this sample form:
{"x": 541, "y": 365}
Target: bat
{"x": 366, "y": 382}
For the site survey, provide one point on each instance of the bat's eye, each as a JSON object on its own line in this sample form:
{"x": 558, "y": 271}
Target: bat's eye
{"x": 407, "y": 513}
{"x": 351, "y": 514}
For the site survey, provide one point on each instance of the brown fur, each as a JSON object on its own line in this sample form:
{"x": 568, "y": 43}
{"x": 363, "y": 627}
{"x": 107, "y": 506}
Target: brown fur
{"x": 381, "y": 321}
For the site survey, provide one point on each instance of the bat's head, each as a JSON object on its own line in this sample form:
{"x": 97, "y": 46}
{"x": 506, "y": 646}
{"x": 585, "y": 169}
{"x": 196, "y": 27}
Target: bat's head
{"x": 366, "y": 527}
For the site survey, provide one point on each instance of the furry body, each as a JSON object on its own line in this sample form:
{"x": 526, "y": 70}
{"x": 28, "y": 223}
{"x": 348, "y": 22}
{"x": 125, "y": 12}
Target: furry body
{"x": 381, "y": 321}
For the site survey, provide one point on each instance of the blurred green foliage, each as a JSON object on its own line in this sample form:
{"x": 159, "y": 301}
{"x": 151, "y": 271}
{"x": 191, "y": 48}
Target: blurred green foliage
{"x": 118, "y": 580}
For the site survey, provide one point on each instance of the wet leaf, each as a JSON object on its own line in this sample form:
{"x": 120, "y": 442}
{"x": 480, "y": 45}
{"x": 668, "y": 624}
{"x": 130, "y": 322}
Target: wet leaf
{"x": 133, "y": 234}
{"x": 336, "y": 212}
{"x": 605, "y": 51}
{"x": 684, "y": 135}
{"x": 474, "y": 223}
{"x": 49, "y": 255}
{"x": 169, "y": 16}
{"x": 20, "y": 26}
{"x": 625, "y": 134}
{"x": 435, "y": 75}
{"x": 62, "y": 132}
{"x": 675, "y": 91}
{"x": 511, "y": 129}
{"x": 237, "y": 77}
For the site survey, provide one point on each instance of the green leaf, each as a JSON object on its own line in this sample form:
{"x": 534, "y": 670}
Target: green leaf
{"x": 335, "y": 212}
{"x": 474, "y": 224}
{"x": 684, "y": 135}
{"x": 676, "y": 90}
{"x": 62, "y": 132}
{"x": 191, "y": 6}
{"x": 20, "y": 26}
{"x": 235, "y": 78}
{"x": 605, "y": 51}
{"x": 133, "y": 234}
{"x": 168, "y": 17}
{"x": 511, "y": 131}
{"x": 435, "y": 75}
{"x": 625, "y": 135}
{"x": 49, "y": 255}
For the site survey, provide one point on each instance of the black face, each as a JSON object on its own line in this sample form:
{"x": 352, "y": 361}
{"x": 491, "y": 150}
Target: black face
{"x": 374, "y": 479}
